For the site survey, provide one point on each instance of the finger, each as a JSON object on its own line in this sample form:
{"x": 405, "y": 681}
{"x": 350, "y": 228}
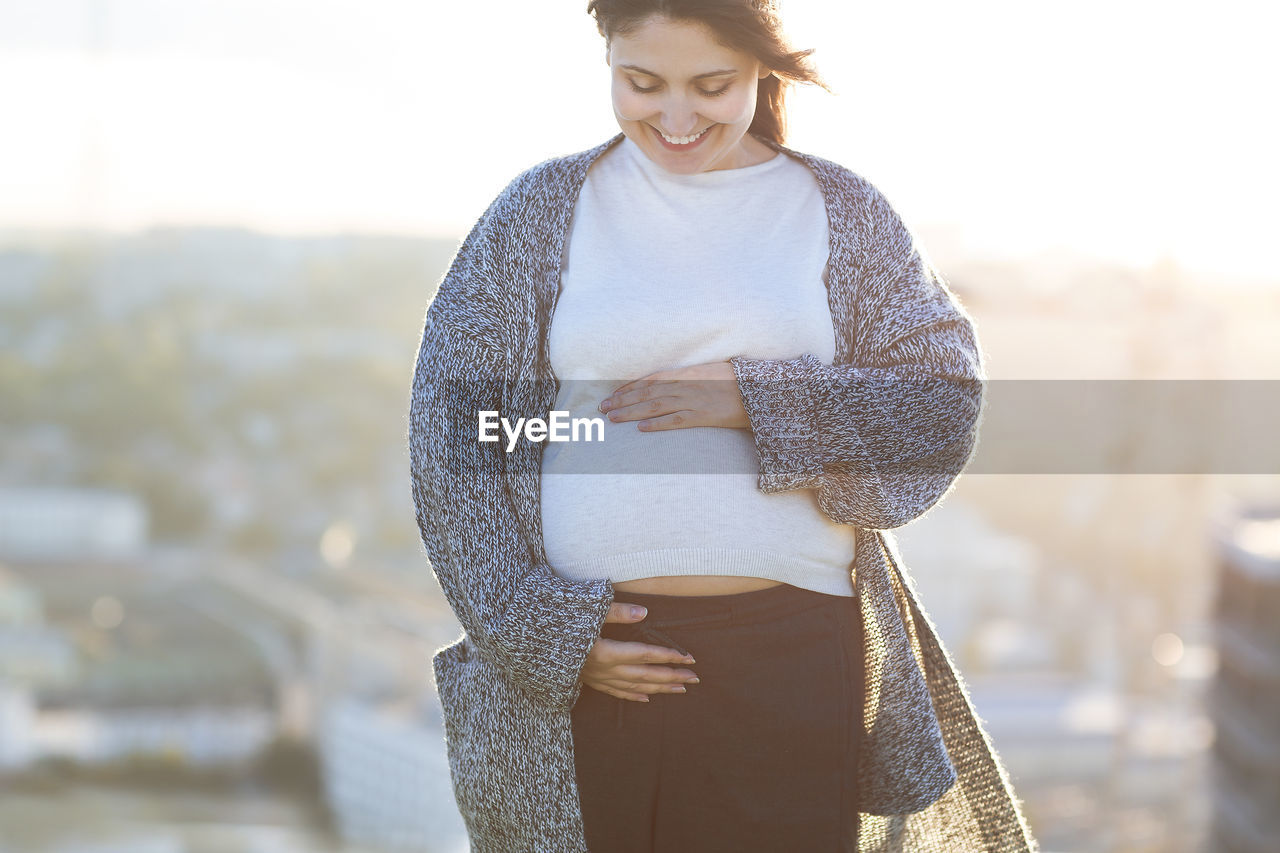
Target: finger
{"x": 642, "y": 676}
{"x": 617, "y": 692}
{"x": 649, "y": 407}
{"x": 643, "y": 381}
{"x": 623, "y": 612}
{"x": 620, "y": 399}
{"x": 682, "y": 419}
{"x": 630, "y": 652}
{"x": 650, "y": 688}
{"x": 634, "y": 697}
{"x": 639, "y": 389}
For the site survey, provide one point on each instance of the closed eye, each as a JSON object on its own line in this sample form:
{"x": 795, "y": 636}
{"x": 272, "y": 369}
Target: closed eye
{"x": 646, "y": 90}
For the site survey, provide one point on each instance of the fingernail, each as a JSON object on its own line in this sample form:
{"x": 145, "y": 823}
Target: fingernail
{"x": 638, "y": 612}
{"x": 693, "y": 681}
{"x": 688, "y": 659}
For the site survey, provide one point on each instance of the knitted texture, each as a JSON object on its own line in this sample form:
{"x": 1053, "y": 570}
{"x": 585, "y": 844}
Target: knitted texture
{"x": 881, "y": 435}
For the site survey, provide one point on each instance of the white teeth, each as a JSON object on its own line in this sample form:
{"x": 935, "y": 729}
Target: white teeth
{"x": 682, "y": 140}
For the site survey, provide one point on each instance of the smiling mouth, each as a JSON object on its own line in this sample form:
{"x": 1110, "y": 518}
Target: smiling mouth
{"x": 685, "y": 143}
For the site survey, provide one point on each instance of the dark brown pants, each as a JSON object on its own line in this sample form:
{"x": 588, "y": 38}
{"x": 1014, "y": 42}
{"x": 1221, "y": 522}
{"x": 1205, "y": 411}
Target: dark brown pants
{"x": 758, "y": 757}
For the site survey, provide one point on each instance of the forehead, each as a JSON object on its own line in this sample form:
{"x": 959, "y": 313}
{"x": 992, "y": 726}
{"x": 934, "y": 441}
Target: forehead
{"x": 674, "y": 47}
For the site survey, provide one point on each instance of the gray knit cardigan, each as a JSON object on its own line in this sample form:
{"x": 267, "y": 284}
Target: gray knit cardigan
{"x": 881, "y": 435}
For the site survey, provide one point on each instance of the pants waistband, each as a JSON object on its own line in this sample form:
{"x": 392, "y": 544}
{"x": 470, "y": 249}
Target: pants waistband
{"x": 756, "y": 605}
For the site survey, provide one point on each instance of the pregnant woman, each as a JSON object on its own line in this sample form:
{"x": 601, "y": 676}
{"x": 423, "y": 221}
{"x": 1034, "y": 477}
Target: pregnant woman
{"x": 692, "y": 632}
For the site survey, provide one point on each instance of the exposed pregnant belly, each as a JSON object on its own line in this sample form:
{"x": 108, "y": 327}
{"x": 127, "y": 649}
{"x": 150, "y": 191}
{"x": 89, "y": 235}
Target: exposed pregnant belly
{"x": 679, "y": 512}
{"x": 694, "y": 585}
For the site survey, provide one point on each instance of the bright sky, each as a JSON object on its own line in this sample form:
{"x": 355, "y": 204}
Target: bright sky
{"x": 1123, "y": 129}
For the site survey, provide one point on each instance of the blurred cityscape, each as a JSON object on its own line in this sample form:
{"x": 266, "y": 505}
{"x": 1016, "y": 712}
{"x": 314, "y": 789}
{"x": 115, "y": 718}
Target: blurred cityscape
{"x": 217, "y": 617}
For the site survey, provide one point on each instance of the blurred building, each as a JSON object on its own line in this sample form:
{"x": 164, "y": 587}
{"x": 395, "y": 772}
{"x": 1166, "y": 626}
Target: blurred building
{"x": 52, "y": 523}
{"x": 1104, "y": 744}
{"x": 31, "y": 651}
{"x": 102, "y": 661}
{"x": 17, "y": 719}
{"x": 31, "y": 654}
{"x": 1245, "y": 701}
{"x": 198, "y": 736}
{"x": 387, "y": 777}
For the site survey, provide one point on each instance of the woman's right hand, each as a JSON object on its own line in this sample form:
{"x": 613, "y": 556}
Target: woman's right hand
{"x": 631, "y": 670}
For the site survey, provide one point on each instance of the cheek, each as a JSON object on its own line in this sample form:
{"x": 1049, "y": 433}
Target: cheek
{"x": 733, "y": 109}
{"x": 627, "y": 104}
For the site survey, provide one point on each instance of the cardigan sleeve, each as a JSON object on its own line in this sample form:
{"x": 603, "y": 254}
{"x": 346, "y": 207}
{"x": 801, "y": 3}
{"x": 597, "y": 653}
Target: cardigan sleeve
{"x": 519, "y": 614}
{"x": 880, "y": 439}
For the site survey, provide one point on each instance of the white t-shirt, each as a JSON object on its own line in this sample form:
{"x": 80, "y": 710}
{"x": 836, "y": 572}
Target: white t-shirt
{"x": 669, "y": 270}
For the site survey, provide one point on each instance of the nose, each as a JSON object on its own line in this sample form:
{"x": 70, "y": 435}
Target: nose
{"x": 678, "y": 118}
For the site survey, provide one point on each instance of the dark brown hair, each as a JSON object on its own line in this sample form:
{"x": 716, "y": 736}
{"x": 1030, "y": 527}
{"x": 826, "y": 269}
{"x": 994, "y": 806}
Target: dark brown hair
{"x": 749, "y": 26}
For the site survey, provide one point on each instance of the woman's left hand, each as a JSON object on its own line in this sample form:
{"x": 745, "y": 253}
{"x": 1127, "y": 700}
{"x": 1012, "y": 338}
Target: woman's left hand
{"x": 682, "y": 397}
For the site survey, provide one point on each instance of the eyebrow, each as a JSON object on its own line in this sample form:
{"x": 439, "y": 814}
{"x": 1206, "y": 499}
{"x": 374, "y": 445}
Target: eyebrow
{"x": 695, "y": 77}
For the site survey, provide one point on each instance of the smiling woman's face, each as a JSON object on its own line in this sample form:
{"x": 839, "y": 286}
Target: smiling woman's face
{"x": 696, "y": 91}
